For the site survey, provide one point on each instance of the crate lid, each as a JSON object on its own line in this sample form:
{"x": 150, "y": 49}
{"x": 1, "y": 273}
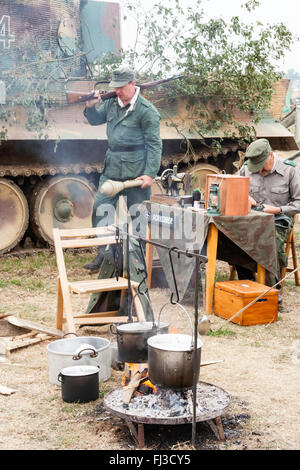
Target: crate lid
{"x": 245, "y": 288}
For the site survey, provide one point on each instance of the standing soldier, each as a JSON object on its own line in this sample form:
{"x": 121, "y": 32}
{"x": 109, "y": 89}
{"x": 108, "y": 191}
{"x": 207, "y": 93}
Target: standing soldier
{"x": 134, "y": 145}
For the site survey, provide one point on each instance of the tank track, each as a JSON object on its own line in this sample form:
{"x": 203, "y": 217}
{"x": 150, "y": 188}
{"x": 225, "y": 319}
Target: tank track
{"x": 7, "y": 170}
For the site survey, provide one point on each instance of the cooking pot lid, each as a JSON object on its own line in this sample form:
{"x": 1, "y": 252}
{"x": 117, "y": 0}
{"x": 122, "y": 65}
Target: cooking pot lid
{"x": 76, "y": 371}
{"x": 173, "y": 342}
{"x": 137, "y": 327}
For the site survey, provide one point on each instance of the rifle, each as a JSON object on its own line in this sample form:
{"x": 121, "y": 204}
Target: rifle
{"x": 79, "y": 96}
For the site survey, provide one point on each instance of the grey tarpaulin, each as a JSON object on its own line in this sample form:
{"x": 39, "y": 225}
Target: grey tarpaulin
{"x": 108, "y": 301}
{"x": 173, "y": 227}
{"x": 247, "y": 239}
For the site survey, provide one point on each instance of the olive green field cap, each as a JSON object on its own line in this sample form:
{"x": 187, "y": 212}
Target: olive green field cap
{"x": 121, "y": 77}
{"x": 257, "y": 154}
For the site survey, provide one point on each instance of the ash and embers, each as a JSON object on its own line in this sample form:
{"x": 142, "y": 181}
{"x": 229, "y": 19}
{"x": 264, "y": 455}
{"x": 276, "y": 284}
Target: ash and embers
{"x": 166, "y": 403}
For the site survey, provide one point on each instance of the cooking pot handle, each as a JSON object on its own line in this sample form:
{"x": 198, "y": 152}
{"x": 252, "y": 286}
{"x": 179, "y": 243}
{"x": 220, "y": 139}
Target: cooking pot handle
{"x": 59, "y": 377}
{"x": 113, "y": 329}
{"x": 66, "y": 334}
{"x": 79, "y": 356}
{"x": 179, "y": 305}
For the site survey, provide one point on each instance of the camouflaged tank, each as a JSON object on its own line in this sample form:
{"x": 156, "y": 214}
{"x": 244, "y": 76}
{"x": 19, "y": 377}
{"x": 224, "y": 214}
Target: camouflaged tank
{"x": 44, "y": 185}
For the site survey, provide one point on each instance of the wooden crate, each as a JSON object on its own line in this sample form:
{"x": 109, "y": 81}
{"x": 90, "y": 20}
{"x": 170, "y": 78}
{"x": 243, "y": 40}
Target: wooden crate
{"x": 232, "y": 296}
{"x": 234, "y": 193}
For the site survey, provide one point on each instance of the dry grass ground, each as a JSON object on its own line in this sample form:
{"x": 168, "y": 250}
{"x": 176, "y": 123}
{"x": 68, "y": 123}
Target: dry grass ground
{"x": 261, "y": 372}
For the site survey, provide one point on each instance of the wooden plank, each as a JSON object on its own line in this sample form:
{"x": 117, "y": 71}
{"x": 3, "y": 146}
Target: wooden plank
{"x": 88, "y": 242}
{"x": 99, "y": 320}
{"x": 59, "y": 306}
{"x": 6, "y": 390}
{"x": 85, "y": 232}
{"x": 70, "y": 327}
{"x": 99, "y": 285}
{"x": 100, "y": 314}
{"x": 22, "y": 343}
{"x": 4, "y": 315}
{"x": 29, "y": 325}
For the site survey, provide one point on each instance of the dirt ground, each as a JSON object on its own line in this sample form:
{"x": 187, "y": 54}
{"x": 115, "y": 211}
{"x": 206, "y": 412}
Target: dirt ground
{"x": 260, "y": 371}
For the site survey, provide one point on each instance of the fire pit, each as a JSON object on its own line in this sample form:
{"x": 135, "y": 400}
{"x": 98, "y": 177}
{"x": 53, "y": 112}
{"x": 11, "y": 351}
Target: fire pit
{"x": 170, "y": 407}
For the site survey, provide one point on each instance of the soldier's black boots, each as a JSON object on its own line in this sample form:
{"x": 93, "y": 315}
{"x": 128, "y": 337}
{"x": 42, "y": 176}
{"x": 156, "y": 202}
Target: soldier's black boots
{"x": 94, "y": 265}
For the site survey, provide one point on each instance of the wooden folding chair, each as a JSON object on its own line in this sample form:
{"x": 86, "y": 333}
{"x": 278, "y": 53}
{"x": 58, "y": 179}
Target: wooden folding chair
{"x": 86, "y": 238}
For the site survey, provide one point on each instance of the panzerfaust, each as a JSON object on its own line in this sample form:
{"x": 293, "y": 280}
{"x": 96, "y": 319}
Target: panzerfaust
{"x": 78, "y": 96}
{"x": 111, "y": 187}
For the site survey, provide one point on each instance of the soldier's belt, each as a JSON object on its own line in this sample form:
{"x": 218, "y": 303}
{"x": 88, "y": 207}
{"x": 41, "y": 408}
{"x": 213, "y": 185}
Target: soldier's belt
{"x": 126, "y": 148}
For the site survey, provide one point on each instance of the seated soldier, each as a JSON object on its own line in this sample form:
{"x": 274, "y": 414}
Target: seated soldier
{"x": 275, "y": 187}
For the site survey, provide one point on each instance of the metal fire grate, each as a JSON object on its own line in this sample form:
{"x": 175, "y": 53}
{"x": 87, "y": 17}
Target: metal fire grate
{"x": 170, "y": 407}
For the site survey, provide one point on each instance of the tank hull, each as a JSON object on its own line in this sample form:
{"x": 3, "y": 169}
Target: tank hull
{"x": 73, "y": 154}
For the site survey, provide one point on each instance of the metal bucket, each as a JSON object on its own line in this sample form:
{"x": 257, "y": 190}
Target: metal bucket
{"x": 83, "y": 350}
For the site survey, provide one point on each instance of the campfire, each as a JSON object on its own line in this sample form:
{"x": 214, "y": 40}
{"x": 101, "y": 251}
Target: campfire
{"x": 138, "y": 393}
{"x": 135, "y": 381}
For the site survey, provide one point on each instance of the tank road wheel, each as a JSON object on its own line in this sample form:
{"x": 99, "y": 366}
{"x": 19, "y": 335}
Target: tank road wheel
{"x": 61, "y": 202}
{"x": 198, "y": 174}
{"x": 13, "y": 215}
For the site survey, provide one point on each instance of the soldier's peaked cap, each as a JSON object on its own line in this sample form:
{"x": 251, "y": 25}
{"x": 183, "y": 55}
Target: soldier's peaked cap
{"x": 257, "y": 154}
{"x": 121, "y": 77}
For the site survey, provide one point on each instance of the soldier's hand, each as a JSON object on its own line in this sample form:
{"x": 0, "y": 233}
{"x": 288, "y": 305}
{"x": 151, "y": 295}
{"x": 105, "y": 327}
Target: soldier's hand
{"x": 147, "y": 181}
{"x": 97, "y": 99}
{"x": 252, "y": 201}
{"x": 271, "y": 209}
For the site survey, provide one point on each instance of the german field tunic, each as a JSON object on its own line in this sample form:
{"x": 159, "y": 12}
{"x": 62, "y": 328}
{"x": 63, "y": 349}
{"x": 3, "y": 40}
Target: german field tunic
{"x": 137, "y": 131}
{"x": 280, "y": 188}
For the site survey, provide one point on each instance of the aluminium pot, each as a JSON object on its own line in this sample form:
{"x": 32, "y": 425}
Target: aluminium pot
{"x": 132, "y": 339}
{"x": 79, "y": 384}
{"x": 81, "y": 350}
{"x": 171, "y": 360}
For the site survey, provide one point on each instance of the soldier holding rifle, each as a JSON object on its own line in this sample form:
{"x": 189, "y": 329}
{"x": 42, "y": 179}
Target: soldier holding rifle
{"x": 134, "y": 145}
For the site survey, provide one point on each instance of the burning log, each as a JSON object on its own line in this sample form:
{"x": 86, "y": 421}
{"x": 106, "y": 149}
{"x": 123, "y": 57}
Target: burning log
{"x": 135, "y": 380}
{"x": 129, "y": 389}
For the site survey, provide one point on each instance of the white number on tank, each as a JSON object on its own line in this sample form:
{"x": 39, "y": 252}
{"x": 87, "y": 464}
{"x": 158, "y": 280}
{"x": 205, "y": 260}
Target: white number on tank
{"x": 6, "y": 37}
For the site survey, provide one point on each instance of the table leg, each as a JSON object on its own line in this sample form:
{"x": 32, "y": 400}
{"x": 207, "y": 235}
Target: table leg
{"x": 149, "y": 257}
{"x": 261, "y": 274}
{"x": 212, "y": 244}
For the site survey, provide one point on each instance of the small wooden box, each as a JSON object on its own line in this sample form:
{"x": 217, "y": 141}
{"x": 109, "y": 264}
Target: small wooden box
{"x": 165, "y": 199}
{"x": 232, "y": 296}
{"x": 234, "y": 193}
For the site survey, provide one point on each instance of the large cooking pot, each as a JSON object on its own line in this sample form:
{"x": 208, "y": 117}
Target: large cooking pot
{"x": 132, "y": 339}
{"x": 81, "y": 350}
{"x": 171, "y": 359}
{"x": 79, "y": 384}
